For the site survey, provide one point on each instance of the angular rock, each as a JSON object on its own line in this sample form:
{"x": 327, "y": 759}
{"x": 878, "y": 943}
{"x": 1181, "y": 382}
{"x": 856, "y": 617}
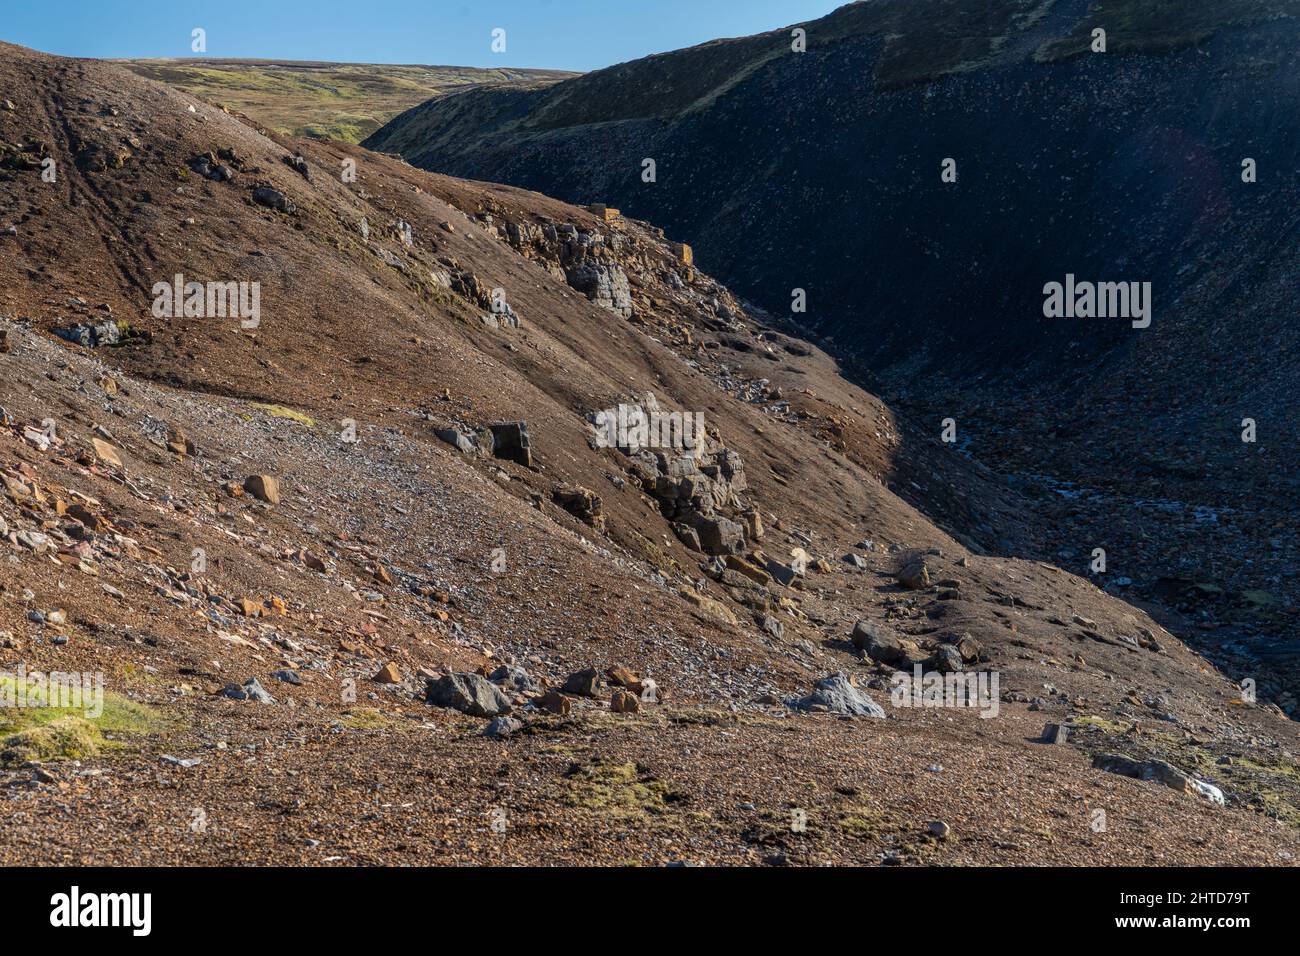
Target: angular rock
{"x": 1055, "y": 734}
{"x": 251, "y": 689}
{"x": 1154, "y": 770}
{"x": 688, "y": 536}
{"x": 91, "y": 335}
{"x": 971, "y": 650}
{"x": 879, "y": 643}
{"x": 720, "y": 535}
{"x": 86, "y": 517}
{"x": 583, "y": 683}
{"x": 751, "y": 571}
{"x": 624, "y": 702}
{"x": 457, "y": 439}
{"x": 34, "y": 541}
{"x": 510, "y": 442}
{"x": 106, "y": 453}
{"x": 273, "y": 199}
{"x": 470, "y": 694}
{"x": 621, "y": 677}
{"x": 782, "y": 574}
{"x": 946, "y": 659}
{"x": 646, "y": 689}
{"x": 584, "y": 505}
{"x": 604, "y": 284}
{"x": 914, "y": 575}
{"x": 388, "y": 674}
{"x": 836, "y": 695}
{"x": 503, "y": 727}
{"x": 264, "y": 488}
{"x": 554, "y": 702}
{"x": 514, "y": 679}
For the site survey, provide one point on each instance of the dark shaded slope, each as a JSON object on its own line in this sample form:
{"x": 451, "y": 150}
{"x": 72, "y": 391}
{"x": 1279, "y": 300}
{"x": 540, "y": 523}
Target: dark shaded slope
{"x": 821, "y": 171}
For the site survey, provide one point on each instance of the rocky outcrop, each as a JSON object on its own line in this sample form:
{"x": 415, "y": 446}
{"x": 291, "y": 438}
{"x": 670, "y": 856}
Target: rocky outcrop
{"x": 470, "y": 694}
{"x": 582, "y": 504}
{"x": 604, "y": 284}
{"x": 510, "y": 442}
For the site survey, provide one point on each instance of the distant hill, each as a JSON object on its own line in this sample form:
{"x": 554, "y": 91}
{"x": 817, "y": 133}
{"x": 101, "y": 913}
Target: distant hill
{"x": 342, "y": 101}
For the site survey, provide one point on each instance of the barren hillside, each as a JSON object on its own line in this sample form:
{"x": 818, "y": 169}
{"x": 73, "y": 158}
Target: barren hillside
{"x": 339, "y": 500}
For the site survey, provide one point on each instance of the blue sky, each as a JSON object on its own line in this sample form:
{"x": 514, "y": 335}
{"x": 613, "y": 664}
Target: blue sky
{"x": 558, "y": 34}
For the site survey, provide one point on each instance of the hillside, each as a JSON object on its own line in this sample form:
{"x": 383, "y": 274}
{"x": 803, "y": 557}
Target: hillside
{"x": 822, "y": 171}
{"x": 343, "y": 101}
{"x": 332, "y": 495}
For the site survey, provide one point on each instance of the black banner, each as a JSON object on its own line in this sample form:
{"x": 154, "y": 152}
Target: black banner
{"x": 140, "y": 906}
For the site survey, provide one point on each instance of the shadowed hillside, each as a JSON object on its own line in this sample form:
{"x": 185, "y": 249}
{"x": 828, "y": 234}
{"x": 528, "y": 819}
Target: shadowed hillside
{"x": 822, "y": 171}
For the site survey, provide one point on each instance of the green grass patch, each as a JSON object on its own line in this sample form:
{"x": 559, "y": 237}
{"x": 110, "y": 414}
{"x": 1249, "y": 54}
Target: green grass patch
{"x": 279, "y": 411}
{"x": 69, "y": 733}
{"x": 339, "y": 101}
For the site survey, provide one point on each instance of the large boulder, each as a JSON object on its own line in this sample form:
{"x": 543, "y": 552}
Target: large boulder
{"x": 720, "y": 535}
{"x": 514, "y": 678}
{"x": 1157, "y": 771}
{"x": 91, "y": 335}
{"x": 263, "y": 488}
{"x": 971, "y": 650}
{"x": 584, "y": 505}
{"x": 583, "y": 683}
{"x": 273, "y": 199}
{"x": 836, "y": 695}
{"x": 468, "y": 693}
{"x": 947, "y": 659}
{"x": 457, "y": 439}
{"x": 510, "y": 442}
{"x": 914, "y": 574}
{"x": 880, "y": 643}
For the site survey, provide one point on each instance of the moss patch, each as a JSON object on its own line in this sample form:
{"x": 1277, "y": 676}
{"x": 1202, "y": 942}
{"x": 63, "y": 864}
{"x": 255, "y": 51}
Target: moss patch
{"x": 621, "y": 791}
{"x": 67, "y": 733}
{"x": 279, "y": 411}
{"x": 366, "y": 718}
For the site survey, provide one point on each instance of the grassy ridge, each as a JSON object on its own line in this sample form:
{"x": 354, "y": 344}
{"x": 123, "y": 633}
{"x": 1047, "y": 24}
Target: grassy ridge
{"x": 1134, "y": 26}
{"x": 343, "y": 101}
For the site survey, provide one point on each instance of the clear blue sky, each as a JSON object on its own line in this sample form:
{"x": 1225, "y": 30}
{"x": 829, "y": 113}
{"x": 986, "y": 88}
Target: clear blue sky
{"x": 558, "y": 34}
